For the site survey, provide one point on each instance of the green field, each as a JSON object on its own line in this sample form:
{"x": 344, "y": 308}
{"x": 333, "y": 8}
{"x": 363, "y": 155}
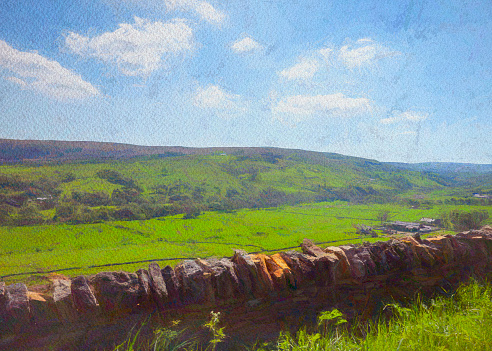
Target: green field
{"x": 78, "y": 214}
{"x": 48, "y": 247}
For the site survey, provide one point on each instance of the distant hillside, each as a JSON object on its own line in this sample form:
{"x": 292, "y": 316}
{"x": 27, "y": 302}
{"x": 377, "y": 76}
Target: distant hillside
{"x": 82, "y": 182}
{"x": 444, "y": 167}
{"x": 42, "y": 151}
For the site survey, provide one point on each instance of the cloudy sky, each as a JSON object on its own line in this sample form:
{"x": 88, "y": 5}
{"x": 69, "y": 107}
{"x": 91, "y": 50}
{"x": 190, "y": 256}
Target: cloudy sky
{"x": 390, "y": 80}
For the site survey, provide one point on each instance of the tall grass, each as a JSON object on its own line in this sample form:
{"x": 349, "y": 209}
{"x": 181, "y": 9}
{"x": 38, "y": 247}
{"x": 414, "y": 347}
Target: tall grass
{"x": 458, "y": 322}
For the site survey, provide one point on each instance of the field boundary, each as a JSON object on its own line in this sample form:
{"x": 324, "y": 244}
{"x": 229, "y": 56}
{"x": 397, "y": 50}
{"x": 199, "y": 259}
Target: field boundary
{"x": 161, "y": 260}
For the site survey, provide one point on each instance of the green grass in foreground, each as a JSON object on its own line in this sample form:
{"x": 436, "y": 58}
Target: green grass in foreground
{"x": 460, "y": 322}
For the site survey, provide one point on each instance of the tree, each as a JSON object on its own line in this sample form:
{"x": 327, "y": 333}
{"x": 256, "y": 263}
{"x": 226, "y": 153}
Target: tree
{"x": 383, "y": 216}
{"x": 459, "y": 220}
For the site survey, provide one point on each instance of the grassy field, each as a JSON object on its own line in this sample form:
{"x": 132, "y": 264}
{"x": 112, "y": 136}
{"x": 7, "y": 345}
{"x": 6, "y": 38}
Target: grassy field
{"x": 48, "y": 247}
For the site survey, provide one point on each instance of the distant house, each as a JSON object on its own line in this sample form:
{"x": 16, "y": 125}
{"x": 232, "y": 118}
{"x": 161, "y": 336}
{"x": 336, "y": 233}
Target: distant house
{"x": 405, "y": 226}
{"x": 481, "y": 196}
{"x": 411, "y": 227}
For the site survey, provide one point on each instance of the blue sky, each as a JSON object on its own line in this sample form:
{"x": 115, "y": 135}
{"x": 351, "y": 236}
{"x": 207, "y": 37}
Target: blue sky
{"x": 406, "y": 81}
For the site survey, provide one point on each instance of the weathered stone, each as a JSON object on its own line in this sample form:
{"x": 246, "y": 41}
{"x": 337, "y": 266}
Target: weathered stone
{"x": 3, "y": 302}
{"x": 232, "y": 276}
{"x": 173, "y": 286}
{"x": 3, "y": 299}
{"x": 83, "y": 297}
{"x": 144, "y": 281}
{"x": 391, "y": 259}
{"x": 17, "y": 306}
{"x": 195, "y": 284}
{"x": 407, "y": 256}
{"x": 224, "y": 279}
{"x": 263, "y": 274}
{"x": 280, "y": 272}
{"x": 365, "y": 256}
{"x": 357, "y": 267}
{"x": 158, "y": 285}
{"x": 117, "y": 292}
{"x": 324, "y": 263}
{"x": 444, "y": 249}
{"x": 301, "y": 265}
{"x": 479, "y": 249}
{"x": 342, "y": 269}
{"x": 422, "y": 251}
{"x": 43, "y": 310}
{"x": 246, "y": 272}
{"x": 310, "y": 248}
{"x": 62, "y": 297}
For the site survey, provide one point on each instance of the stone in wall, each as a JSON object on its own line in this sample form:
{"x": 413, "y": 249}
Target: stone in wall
{"x": 83, "y": 297}
{"x": 42, "y": 309}
{"x": 194, "y": 282}
{"x": 144, "y": 281}
{"x": 301, "y": 266}
{"x": 17, "y": 308}
{"x": 173, "y": 286}
{"x": 246, "y": 273}
{"x": 324, "y": 263}
{"x": 263, "y": 276}
{"x": 118, "y": 292}
{"x": 62, "y": 297}
{"x": 158, "y": 286}
{"x": 280, "y": 272}
{"x": 225, "y": 283}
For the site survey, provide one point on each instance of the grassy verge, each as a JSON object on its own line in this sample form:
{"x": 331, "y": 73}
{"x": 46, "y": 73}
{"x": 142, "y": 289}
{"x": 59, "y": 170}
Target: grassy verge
{"x": 459, "y": 322}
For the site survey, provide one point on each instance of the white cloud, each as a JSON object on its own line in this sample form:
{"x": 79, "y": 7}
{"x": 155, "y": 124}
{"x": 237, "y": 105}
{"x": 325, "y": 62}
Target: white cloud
{"x": 366, "y": 51}
{"x": 206, "y": 11}
{"x": 35, "y": 72}
{"x": 326, "y": 52}
{"x": 303, "y": 70}
{"x": 136, "y": 49}
{"x": 245, "y": 45}
{"x": 406, "y": 116}
{"x": 408, "y": 132}
{"x": 300, "y": 107}
{"x": 215, "y": 98}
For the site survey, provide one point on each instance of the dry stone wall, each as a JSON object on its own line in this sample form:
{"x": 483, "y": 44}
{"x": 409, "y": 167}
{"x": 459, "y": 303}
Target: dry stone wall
{"x": 258, "y": 294}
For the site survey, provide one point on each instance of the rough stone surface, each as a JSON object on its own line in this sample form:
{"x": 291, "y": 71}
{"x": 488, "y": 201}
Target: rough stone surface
{"x": 83, "y": 298}
{"x": 62, "y": 297}
{"x": 195, "y": 284}
{"x": 325, "y": 264}
{"x": 3, "y": 302}
{"x": 224, "y": 280}
{"x": 301, "y": 265}
{"x": 17, "y": 308}
{"x": 264, "y": 278}
{"x": 246, "y": 272}
{"x": 280, "y": 272}
{"x": 144, "y": 281}
{"x": 173, "y": 286}
{"x": 158, "y": 286}
{"x": 342, "y": 270}
{"x": 117, "y": 292}
{"x": 43, "y": 310}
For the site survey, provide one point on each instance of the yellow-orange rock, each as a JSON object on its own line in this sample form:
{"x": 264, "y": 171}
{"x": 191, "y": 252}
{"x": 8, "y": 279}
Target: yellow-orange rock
{"x": 263, "y": 274}
{"x": 280, "y": 272}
